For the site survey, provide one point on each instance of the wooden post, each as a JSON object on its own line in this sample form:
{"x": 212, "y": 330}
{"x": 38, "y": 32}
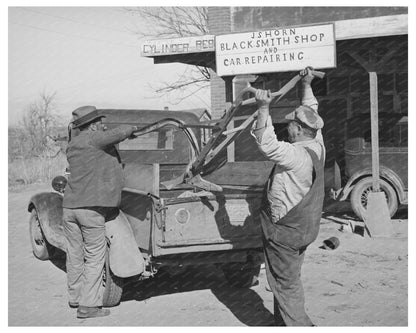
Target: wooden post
{"x": 374, "y": 131}
{"x": 377, "y": 216}
{"x": 156, "y": 178}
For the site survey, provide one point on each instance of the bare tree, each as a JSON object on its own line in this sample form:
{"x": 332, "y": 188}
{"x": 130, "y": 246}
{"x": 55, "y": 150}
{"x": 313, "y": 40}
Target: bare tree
{"x": 165, "y": 22}
{"x": 38, "y": 123}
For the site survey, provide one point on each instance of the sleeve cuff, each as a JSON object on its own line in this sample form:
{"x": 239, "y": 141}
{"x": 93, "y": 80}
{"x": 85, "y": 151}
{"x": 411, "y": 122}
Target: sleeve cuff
{"x": 268, "y": 124}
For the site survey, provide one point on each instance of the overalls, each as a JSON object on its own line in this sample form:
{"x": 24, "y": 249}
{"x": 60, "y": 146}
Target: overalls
{"x": 285, "y": 243}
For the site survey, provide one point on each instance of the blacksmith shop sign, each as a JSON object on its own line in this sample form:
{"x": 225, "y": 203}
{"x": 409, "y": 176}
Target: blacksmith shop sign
{"x": 276, "y": 50}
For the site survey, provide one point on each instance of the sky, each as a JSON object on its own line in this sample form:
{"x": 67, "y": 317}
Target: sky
{"x": 87, "y": 56}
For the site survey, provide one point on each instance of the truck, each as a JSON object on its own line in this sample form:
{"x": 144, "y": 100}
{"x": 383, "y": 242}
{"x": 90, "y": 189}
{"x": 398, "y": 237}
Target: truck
{"x": 354, "y": 176}
{"x": 170, "y": 226}
{"x": 185, "y": 201}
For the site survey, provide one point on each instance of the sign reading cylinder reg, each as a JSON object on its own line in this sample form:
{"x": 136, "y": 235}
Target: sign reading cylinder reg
{"x": 182, "y": 215}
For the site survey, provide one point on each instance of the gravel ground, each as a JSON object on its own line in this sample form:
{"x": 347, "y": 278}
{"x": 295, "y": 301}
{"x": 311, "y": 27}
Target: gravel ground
{"x": 361, "y": 283}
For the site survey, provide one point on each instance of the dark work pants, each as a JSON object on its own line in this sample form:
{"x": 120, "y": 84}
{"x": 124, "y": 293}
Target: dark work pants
{"x": 283, "y": 271}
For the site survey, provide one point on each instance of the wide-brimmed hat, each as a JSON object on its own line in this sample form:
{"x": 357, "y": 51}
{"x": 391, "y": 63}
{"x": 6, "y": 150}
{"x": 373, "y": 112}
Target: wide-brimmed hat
{"x": 307, "y": 116}
{"x": 85, "y": 115}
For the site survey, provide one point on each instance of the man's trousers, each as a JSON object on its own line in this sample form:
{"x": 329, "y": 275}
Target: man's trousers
{"x": 283, "y": 270}
{"x": 85, "y": 257}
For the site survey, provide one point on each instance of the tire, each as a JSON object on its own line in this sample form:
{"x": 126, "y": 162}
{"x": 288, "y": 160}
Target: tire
{"x": 241, "y": 275}
{"x": 113, "y": 285}
{"x": 40, "y": 246}
{"x": 360, "y": 192}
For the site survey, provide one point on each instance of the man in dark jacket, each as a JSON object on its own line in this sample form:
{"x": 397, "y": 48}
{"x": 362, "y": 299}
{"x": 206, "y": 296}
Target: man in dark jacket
{"x": 92, "y": 196}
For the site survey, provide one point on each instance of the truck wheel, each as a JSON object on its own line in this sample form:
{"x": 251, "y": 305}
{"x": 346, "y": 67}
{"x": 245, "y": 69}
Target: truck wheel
{"x": 241, "y": 275}
{"x": 40, "y": 246}
{"x": 359, "y": 196}
{"x": 113, "y": 285}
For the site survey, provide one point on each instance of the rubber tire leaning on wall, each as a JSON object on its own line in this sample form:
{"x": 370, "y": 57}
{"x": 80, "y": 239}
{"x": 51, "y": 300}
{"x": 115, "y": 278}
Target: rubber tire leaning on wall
{"x": 361, "y": 190}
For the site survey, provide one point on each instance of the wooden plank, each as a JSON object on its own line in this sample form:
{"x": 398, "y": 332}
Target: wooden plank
{"x": 231, "y": 146}
{"x": 377, "y": 216}
{"x": 372, "y": 27}
{"x": 156, "y": 178}
{"x": 374, "y": 131}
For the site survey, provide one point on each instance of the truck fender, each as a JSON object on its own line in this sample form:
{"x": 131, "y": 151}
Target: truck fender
{"x": 125, "y": 257}
{"x": 49, "y": 208}
{"x": 385, "y": 173}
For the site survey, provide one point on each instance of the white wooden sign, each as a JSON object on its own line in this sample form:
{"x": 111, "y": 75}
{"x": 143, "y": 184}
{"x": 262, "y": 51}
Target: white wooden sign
{"x": 182, "y": 45}
{"x": 276, "y": 50}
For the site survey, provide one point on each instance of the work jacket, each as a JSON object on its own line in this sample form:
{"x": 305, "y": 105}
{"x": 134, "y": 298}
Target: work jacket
{"x": 96, "y": 177}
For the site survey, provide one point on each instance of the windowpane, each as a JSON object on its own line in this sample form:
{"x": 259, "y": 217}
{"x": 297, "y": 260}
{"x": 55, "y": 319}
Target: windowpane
{"x": 160, "y": 140}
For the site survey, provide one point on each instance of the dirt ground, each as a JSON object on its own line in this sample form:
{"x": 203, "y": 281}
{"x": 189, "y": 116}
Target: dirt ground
{"x": 364, "y": 282}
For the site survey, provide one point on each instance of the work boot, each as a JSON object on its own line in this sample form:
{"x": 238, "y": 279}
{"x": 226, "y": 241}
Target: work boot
{"x": 91, "y": 312}
{"x": 73, "y": 305}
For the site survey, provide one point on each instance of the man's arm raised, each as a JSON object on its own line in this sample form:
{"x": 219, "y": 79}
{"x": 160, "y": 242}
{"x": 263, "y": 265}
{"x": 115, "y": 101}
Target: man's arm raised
{"x": 308, "y": 98}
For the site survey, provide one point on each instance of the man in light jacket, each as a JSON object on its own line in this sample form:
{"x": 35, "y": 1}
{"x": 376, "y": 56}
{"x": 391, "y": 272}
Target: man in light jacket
{"x": 293, "y": 199}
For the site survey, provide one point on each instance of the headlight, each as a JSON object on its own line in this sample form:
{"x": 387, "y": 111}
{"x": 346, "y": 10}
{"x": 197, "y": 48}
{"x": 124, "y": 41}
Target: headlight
{"x": 59, "y": 183}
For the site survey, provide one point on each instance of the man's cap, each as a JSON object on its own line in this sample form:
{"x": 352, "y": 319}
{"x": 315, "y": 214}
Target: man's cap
{"x": 85, "y": 115}
{"x": 307, "y": 116}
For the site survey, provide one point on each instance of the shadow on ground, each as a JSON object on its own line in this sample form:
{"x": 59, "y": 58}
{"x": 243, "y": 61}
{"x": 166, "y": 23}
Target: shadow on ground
{"x": 246, "y": 305}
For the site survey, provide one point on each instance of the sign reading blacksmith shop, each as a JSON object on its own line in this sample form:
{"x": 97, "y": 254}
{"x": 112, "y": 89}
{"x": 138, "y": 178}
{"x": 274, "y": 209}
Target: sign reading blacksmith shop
{"x": 276, "y": 50}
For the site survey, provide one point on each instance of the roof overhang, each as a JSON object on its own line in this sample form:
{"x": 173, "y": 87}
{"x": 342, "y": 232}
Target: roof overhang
{"x": 379, "y": 26}
{"x": 200, "y": 50}
{"x": 204, "y": 59}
